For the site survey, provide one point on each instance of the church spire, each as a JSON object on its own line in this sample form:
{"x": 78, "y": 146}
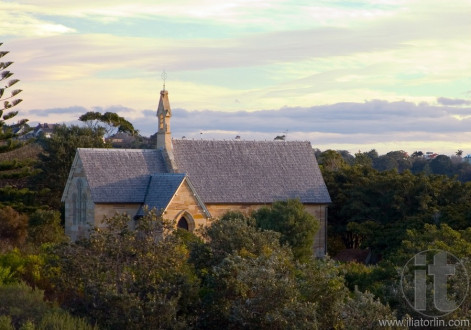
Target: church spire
{"x": 164, "y": 113}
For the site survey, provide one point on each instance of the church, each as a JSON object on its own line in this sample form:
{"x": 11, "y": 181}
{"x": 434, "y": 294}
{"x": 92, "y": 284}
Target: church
{"x": 193, "y": 182}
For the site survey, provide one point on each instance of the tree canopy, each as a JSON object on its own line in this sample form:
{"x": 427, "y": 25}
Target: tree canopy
{"x": 109, "y": 121}
{"x": 56, "y": 158}
{"x": 8, "y": 100}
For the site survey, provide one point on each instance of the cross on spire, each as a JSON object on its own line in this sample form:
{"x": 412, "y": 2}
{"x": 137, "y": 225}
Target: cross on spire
{"x": 164, "y": 77}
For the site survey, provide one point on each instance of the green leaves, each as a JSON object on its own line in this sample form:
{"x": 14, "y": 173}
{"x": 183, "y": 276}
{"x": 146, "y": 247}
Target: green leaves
{"x": 9, "y": 101}
{"x": 110, "y": 121}
{"x": 296, "y": 225}
{"x": 127, "y": 277}
{"x": 58, "y": 154}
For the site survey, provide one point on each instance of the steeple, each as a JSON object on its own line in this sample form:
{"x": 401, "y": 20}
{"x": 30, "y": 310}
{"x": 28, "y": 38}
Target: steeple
{"x": 164, "y": 113}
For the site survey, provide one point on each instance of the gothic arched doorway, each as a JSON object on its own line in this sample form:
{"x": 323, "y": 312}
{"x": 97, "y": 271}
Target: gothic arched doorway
{"x": 185, "y": 221}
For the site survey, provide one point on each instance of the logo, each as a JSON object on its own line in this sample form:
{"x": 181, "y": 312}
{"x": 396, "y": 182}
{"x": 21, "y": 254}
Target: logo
{"x": 434, "y": 283}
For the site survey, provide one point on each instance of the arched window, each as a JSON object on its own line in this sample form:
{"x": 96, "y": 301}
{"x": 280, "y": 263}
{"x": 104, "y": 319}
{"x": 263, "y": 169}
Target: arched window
{"x": 74, "y": 208}
{"x": 84, "y": 209}
{"x": 182, "y": 223}
{"x": 185, "y": 221}
{"x": 80, "y": 204}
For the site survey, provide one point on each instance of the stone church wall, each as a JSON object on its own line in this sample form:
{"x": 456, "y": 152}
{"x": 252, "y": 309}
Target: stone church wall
{"x": 184, "y": 203}
{"x": 109, "y": 210}
{"x": 77, "y": 225}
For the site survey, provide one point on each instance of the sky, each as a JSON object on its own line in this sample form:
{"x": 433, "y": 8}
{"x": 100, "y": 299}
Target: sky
{"x": 345, "y": 75}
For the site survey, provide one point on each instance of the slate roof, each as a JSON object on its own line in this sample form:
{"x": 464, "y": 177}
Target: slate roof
{"x": 221, "y": 172}
{"x": 120, "y": 175}
{"x": 251, "y": 171}
{"x": 161, "y": 189}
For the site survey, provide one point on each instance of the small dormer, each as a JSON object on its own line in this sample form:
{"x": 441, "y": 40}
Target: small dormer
{"x": 164, "y": 113}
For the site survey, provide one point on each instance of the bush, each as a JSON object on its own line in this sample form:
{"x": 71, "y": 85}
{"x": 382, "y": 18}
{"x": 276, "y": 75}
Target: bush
{"x": 13, "y": 227}
{"x": 296, "y": 225}
{"x": 22, "y": 307}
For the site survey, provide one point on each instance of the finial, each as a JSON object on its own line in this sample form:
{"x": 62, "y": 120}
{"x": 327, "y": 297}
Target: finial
{"x": 164, "y": 77}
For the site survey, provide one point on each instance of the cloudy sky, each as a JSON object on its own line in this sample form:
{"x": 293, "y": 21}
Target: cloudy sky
{"x": 355, "y": 75}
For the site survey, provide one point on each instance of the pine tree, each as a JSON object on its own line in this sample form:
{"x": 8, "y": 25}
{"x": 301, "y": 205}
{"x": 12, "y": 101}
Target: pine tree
{"x": 9, "y": 133}
{"x": 16, "y": 155}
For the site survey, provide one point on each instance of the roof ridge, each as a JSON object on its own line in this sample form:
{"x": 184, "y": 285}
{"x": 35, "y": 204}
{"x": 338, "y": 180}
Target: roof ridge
{"x": 243, "y": 141}
{"x": 168, "y": 174}
{"x": 117, "y": 149}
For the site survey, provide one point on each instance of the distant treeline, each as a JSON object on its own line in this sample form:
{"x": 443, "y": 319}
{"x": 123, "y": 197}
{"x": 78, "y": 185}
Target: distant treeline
{"x": 417, "y": 162}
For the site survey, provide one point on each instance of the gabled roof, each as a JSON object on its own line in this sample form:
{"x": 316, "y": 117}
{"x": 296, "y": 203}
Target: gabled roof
{"x": 221, "y": 172}
{"x": 161, "y": 189}
{"x": 251, "y": 171}
{"x": 120, "y": 175}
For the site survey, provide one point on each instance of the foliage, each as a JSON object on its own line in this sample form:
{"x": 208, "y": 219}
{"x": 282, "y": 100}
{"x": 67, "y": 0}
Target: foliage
{"x": 58, "y": 155}
{"x": 128, "y": 278}
{"x": 63, "y": 321}
{"x": 13, "y": 227}
{"x": 374, "y": 209}
{"x": 9, "y": 133}
{"x": 443, "y": 237}
{"x": 20, "y": 305}
{"x": 26, "y": 267}
{"x": 18, "y": 164}
{"x": 320, "y": 282}
{"x": 13, "y": 170}
{"x": 399, "y": 160}
{"x": 331, "y": 160}
{"x": 248, "y": 279}
{"x": 258, "y": 293}
{"x": 235, "y": 233}
{"x": 362, "y": 311}
{"x": 45, "y": 227}
{"x": 5, "y": 275}
{"x": 111, "y": 122}
{"x": 296, "y": 225}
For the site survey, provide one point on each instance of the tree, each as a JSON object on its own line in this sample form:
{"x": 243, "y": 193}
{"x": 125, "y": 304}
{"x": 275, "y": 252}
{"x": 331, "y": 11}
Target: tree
{"x": 320, "y": 282}
{"x": 417, "y": 154}
{"x": 111, "y": 122}
{"x": 384, "y": 163}
{"x": 20, "y": 305}
{"x": 441, "y": 165}
{"x": 8, "y": 132}
{"x": 58, "y": 155}
{"x": 444, "y": 238}
{"x": 257, "y": 292}
{"x": 365, "y": 159}
{"x": 236, "y": 233}
{"x": 363, "y": 311}
{"x": 374, "y": 209}
{"x": 13, "y": 227}
{"x": 12, "y": 166}
{"x": 128, "y": 275}
{"x": 331, "y": 160}
{"x": 296, "y": 225}
{"x": 45, "y": 227}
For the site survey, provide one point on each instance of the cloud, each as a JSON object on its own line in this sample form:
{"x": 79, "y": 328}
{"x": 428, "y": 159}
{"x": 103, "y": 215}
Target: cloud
{"x": 375, "y": 124}
{"x": 54, "y": 111}
{"x": 448, "y": 101}
{"x": 361, "y": 123}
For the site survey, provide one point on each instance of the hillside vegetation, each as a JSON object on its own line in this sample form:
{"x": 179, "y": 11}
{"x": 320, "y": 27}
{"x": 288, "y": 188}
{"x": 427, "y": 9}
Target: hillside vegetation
{"x": 252, "y": 272}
